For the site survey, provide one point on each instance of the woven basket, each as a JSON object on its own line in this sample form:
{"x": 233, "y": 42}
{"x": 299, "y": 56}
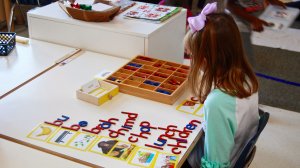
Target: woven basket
{"x": 91, "y": 16}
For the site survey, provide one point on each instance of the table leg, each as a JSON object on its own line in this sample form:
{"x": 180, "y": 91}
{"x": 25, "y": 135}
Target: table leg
{"x": 7, "y": 8}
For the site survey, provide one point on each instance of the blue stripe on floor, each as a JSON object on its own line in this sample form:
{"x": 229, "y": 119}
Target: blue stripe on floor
{"x": 277, "y": 79}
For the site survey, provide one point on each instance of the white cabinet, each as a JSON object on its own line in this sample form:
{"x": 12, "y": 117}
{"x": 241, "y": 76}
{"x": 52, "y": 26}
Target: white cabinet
{"x": 120, "y": 37}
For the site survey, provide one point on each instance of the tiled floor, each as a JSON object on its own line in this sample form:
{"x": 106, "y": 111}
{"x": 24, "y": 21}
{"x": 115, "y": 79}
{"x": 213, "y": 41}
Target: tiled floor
{"x": 278, "y": 145}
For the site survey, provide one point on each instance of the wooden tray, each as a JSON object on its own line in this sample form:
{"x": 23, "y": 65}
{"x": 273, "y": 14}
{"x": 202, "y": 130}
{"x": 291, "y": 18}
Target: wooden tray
{"x": 152, "y": 79}
{"x": 92, "y": 16}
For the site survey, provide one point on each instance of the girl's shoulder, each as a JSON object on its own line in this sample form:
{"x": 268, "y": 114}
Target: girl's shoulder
{"x": 217, "y": 100}
{"x": 218, "y": 97}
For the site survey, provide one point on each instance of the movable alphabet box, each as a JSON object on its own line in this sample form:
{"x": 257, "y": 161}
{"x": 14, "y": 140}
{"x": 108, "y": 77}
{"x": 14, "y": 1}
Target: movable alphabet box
{"x": 106, "y": 91}
{"x": 152, "y": 79}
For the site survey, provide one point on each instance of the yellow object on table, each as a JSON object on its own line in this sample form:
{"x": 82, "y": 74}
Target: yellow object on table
{"x": 22, "y": 40}
{"x": 97, "y": 94}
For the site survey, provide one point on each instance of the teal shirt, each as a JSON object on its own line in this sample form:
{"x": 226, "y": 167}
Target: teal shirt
{"x": 229, "y": 122}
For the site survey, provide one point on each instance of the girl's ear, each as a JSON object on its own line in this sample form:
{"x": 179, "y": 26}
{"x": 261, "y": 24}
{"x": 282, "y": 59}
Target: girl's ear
{"x": 187, "y": 51}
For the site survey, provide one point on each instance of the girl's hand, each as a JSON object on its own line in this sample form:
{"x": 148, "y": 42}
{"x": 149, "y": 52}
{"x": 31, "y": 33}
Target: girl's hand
{"x": 277, "y": 3}
{"x": 257, "y": 24}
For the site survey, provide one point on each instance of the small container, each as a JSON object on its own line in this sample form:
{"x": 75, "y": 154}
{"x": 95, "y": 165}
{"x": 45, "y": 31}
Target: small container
{"x": 99, "y": 95}
{"x": 7, "y": 43}
{"x": 91, "y": 15}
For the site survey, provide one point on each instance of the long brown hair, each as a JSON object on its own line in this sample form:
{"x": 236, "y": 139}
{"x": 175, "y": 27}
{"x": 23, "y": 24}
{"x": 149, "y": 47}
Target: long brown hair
{"x": 217, "y": 51}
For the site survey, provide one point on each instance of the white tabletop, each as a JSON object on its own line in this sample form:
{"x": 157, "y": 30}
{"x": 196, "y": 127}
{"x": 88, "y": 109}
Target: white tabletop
{"x": 13, "y": 155}
{"x": 28, "y": 60}
{"x": 53, "y": 94}
{"x": 118, "y": 24}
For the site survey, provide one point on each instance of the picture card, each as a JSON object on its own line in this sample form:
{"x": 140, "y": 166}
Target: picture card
{"x": 158, "y": 12}
{"x": 82, "y": 141}
{"x": 137, "y": 11}
{"x": 145, "y": 7}
{"x": 189, "y": 106}
{"x": 122, "y": 150}
{"x": 103, "y": 145}
{"x": 278, "y": 17}
{"x": 143, "y": 157}
{"x": 62, "y": 137}
{"x": 42, "y": 132}
{"x": 133, "y": 14}
{"x": 153, "y": 15}
{"x": 90, "y": 86}
{"x": 103, "y": 74}
{"x": 166, "y": 161}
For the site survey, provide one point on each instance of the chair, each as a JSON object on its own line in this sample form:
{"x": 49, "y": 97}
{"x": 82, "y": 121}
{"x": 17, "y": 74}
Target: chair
{"x": 27, "y": 4}
{"x": 248, "y": 152}
{"x": 18, "y": 3}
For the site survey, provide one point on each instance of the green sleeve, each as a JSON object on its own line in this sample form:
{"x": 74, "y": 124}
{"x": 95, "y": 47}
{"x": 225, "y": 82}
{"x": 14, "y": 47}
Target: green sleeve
{"x": 220, "y": 130}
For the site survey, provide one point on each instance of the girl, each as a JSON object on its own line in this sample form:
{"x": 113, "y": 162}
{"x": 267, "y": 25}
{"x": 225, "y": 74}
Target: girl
{"x": 223, "y": 80}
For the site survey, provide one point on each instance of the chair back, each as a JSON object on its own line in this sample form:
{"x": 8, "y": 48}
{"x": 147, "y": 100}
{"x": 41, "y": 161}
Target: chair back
{"x": 242, "y": 160}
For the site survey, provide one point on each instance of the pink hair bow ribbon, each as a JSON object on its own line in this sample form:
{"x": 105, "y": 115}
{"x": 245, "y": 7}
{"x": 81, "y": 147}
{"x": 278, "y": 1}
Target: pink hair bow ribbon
{"x": 197, "y": 23}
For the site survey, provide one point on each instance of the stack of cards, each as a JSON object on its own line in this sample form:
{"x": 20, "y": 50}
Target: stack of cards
{"x": 152, "y": 12}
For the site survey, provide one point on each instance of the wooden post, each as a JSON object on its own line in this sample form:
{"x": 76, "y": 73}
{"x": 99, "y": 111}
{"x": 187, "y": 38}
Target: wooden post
{"x": 7, "y": 8}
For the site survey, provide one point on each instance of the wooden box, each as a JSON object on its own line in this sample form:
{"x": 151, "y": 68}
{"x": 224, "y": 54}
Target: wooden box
{"x": 98, "y": 95}
{"x": 92, "y": 16}
{"x": 152, "y": 79}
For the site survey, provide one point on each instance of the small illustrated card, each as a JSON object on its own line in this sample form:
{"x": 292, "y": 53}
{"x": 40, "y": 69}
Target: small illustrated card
{"x": 189, "y": 106}
{"x": 166, "y": 161}
{"x": 82, "y": 140}
{"x": 280, "y": 13}
{"x": 139, "y": 10}
{"x": 62, "y": 137}
{"x": 143, "y": 158}
{"x": 158, "y": 12}
{"x": 93, "y": 88}
{"x": 278, "y": 17}
{"x": 42, "y": 132}
{"x": 152, "y": 15}
{"x": 90, "y": 86}
{"x": 144, "y": 8}
{"x": 122, "y": 151}
{"x": 103, "y": 145}
{"x": 133, "y": 14}
{"x": 103, "y": 74}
